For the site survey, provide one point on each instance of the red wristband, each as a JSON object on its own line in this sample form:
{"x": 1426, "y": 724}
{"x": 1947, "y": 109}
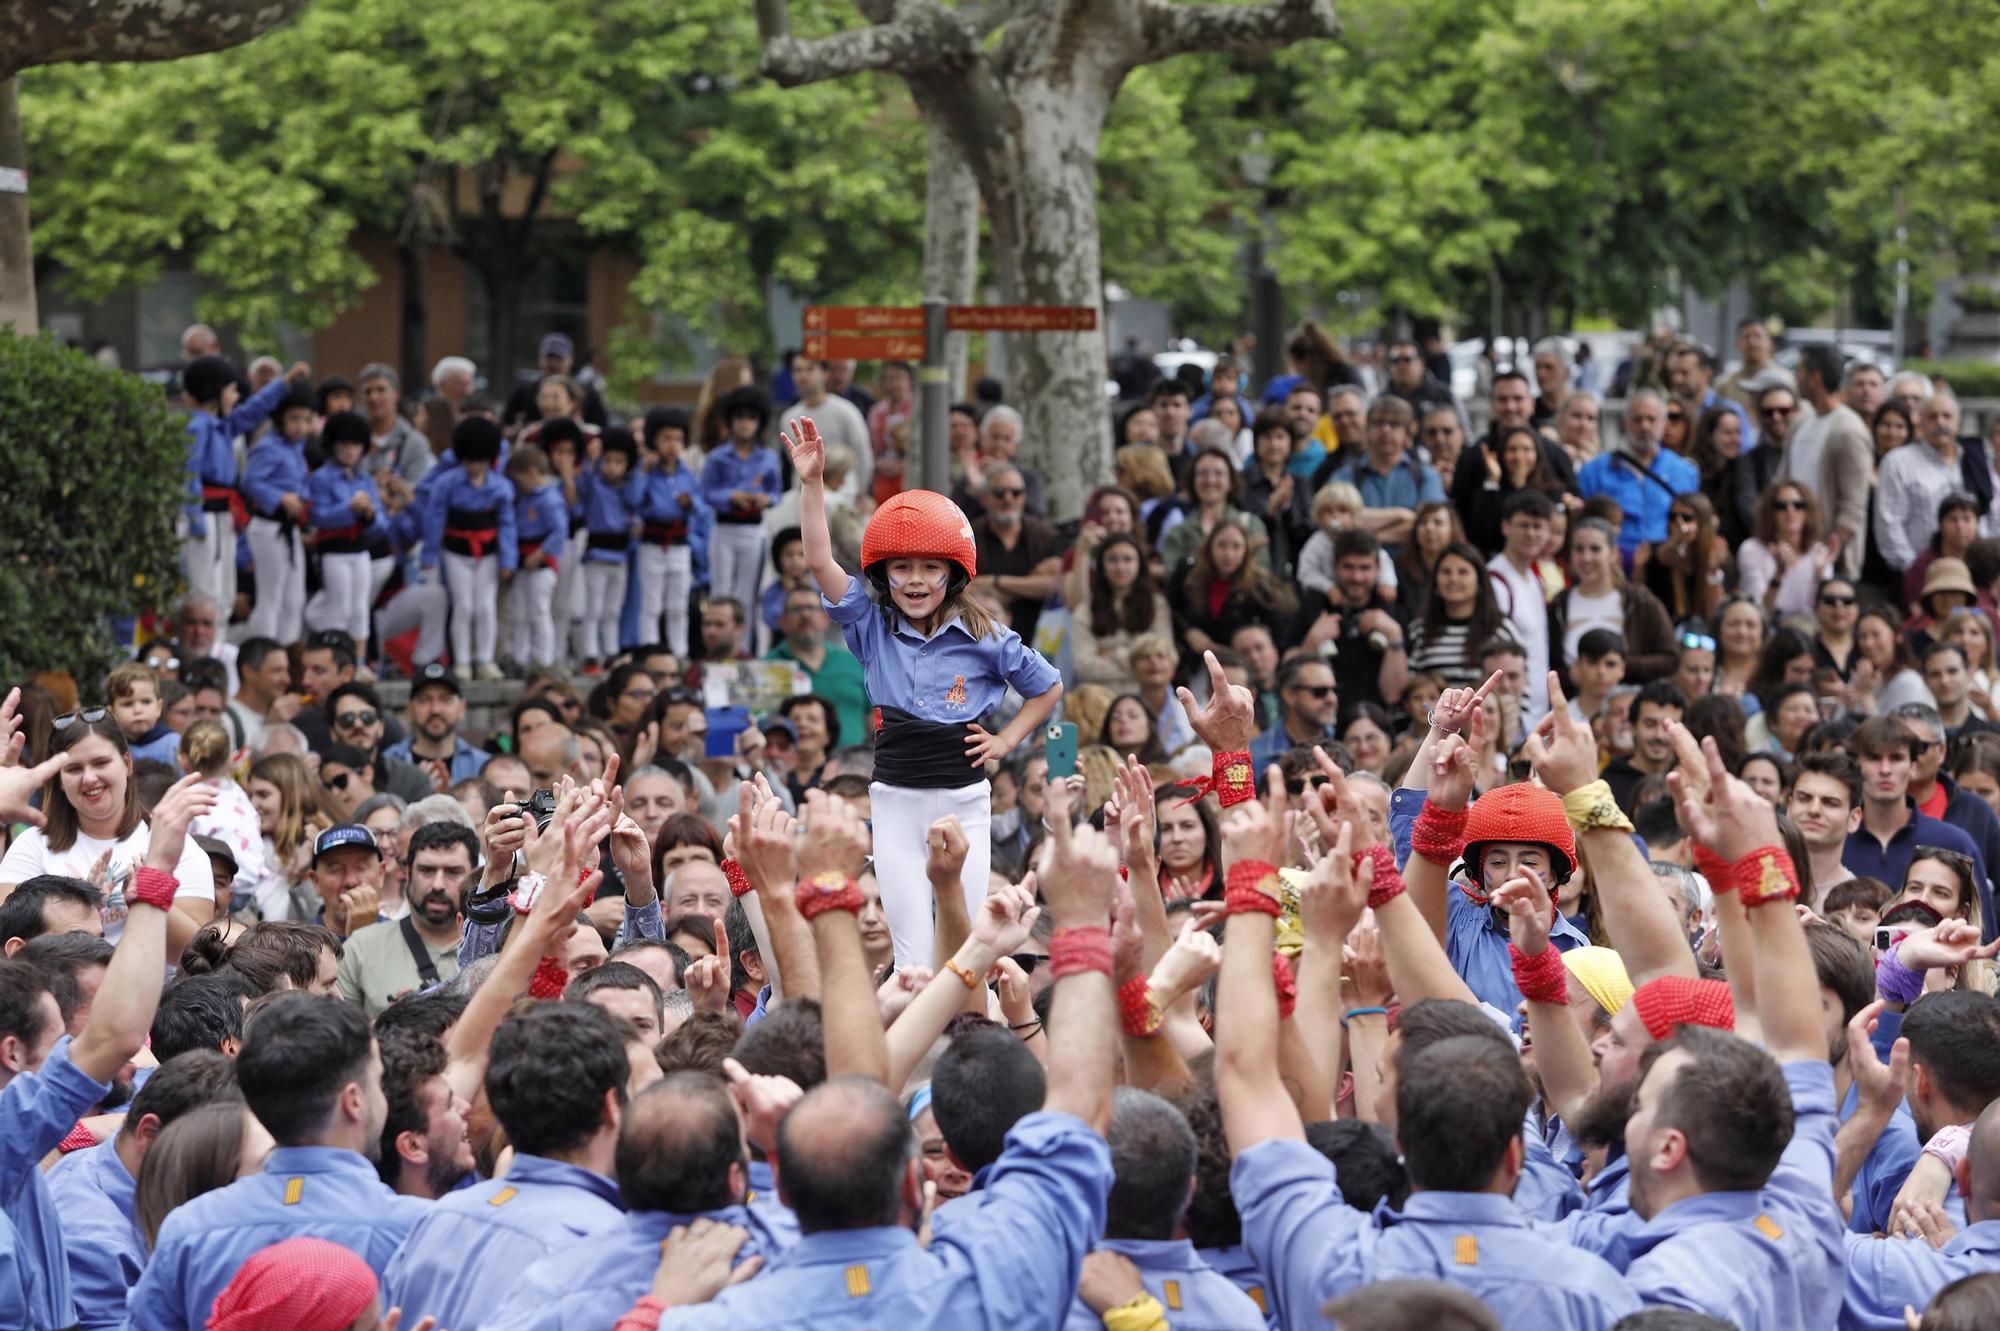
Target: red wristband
{"x": 1138, "y": 1015}
{"x": 739, "y": 882}
{"x": 1287, "y": 985}
{"x": 1541, "y": 978}
{"x": 1387, "y": 884}
{"x": 1233, "y": 778}
{"x": 550, "y": 979}
{"x": 152, "y": 887}
{"x": 642, "y": 1316}
{"x": 1074, "y": 951}
{"x": 1439, "y": 834}
{"x": 828, "y": 891}
{"x": 1715, "y": 869}
{"x": 1765, "y": 875}
{"x": 1252, "y": 885}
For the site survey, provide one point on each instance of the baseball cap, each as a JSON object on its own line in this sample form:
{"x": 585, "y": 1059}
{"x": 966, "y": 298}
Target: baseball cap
{"x": 339, "y": 838}
{"x": 436, "y": 673}
{"x": 216, "y": 848}
{"x": 778, "y": 721}
{"x": 558, "y": 344}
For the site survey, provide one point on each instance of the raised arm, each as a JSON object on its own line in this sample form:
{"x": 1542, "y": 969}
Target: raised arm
{"x": 1562, "y": 1055}
{"x": 1446, "y": 768}
{"x": 1642, "y": 925}
{"x": 1006, "y": 917}
{"x": 1256, "y": 1104}
{"x": 830, "y": 856}
{"x": 809, "y": 461}
{"x": 1079, "y": 880}
{"x": 129, "y": 994}
{"x": 766, "y": 838}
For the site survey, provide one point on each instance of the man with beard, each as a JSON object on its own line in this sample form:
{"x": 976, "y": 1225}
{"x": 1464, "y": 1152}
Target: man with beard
{"x": 424, "y": 1151}
{"x": 437, "y": 705}
{"x": 311, "y": 1073}
{"x": 386, "y": 960}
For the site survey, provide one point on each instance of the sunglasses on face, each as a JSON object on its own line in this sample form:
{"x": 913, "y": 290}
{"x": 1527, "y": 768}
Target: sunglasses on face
{"x": 1834, "y": 598}
{"x": 1299, "y": 785}
{"x": 1007, "y": 492}
{"x": 1676, "y": 415}
{"x": 340, "y": 780}
{"x": 89, "y": 716}
{"x": 1402, "y": 360}
{"x": 1316, "y": 690}
{"x": 352, "y": 720}
{"x": 642, "y": 695}
{"x": 1789, "y": 505}
{"x": 1777, "y": 411}
{"x": 1027, "y": 961}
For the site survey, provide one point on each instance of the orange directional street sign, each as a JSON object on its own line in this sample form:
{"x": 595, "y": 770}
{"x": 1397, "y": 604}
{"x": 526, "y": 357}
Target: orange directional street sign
{"x": 838, "y": 347}
{"x": 1021, "y": 318}
{"x": 864, "y": 318}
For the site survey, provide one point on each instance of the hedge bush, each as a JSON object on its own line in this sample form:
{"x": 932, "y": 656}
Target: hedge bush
{"x": 1968, "y": 378}
{"x": 92, "y": 475}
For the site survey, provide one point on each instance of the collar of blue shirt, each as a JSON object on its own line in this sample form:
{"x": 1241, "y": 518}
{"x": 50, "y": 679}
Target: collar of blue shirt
{"x": 1700, "y": 1209}
{"x": 557, "y": 1173}
{"x": 1472, "y": 1208}
{"x": 1982, "y": 1239}
{"x": 317, "y": 1160}
{"x": 1158, "y": 1254}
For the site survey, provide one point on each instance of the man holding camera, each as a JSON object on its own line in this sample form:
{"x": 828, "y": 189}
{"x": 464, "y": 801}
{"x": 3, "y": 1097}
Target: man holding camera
{"x": 384, "y": 961}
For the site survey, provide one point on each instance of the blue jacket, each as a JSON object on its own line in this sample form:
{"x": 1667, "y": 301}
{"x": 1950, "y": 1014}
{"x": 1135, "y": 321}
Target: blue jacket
{"x": 159, "y": 744}
{"x": 455, "y": 491}
{"x": 274, "y": 468}
{"x": 37, "y": 1110}
{"x": 1312, "y": 1246}
{"x": 212, "y": 444}
{"x": 466, "y": 761}
{"x": 1011, "y": 1263}
{"x": 727, "y": 472}
{"x": 331, "y": 489}
{"x": 462, "y": 1260}
{"x": 1866, "y": 857}
{"x": 1195, "y": 1298}
{"x": 614, "y": 509}
{"x": 588, "y": 1285}
{"x": 317, "y": 1191}
{"x": 1768, "y": 1260}
{"x": 93, "y": 1194}
{"x": 541, "y": 517}
{"x": 1885, "y": 1274}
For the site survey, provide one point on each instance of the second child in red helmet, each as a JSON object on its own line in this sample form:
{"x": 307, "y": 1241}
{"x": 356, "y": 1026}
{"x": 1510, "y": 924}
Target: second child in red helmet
{"x": 936, "y": 663}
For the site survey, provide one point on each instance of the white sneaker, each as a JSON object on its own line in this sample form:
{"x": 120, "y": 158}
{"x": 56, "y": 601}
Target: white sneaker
{"x": 486, "y": 670}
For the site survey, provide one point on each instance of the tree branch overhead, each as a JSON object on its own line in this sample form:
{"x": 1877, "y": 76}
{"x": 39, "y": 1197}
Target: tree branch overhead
{"x": 1170, "y": 29}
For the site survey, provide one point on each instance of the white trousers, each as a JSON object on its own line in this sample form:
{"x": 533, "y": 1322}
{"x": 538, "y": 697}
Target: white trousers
{"x": 531, "y": 637}
{"x": 422, "y": 606}
{"x": 570, "y": 600}
{"x": 211, "y": 563}
{"x": 604, "y": 590}
{"x": 666, "y": 577}
{"x": 735, "y": 561}
{"x": 280, "y": 560}
{"x": 903, "y": 816}
{"x": 474, "y": 585}
{"x": 348, "y": 581}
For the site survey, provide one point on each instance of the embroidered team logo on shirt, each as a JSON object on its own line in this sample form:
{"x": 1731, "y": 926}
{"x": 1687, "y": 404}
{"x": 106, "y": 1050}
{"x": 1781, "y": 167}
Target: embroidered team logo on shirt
{"x": 956, "y": 698}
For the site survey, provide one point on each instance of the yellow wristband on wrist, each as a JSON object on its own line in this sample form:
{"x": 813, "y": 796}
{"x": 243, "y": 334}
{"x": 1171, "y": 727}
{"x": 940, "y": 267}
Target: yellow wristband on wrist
{"x": 1141, "y": 1314}
{"x": 1591, "y": 806}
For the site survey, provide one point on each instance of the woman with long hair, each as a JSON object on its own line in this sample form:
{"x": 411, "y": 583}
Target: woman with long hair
{"x": 1834, "y": 616}
{"x": 1460, "y": 614}
{"x": 1367, "y": 733}
{"x": 1225, "y": 588}
{"x": 1787, "y": 658}
{"x": 1740, "y": 626}
{"x": 1717, "y": 451}
{"x": 293, "y": 808}
{"x": 1973, "y": 632}
{"x": 1111, "y": 510}
{"x": 1783, "y": 563}
{"x": 1689, "y": 571}
{"x": 1892, "y": 427}
{"x": 730, "y": 373}
{"x": 1124, "y": 606}
{"x": 1943, "y": 880}
{"x": 1142, "y": 470}
{"x": 1435, "y": 528}
{"x": 1678, "y": 436}
{"x": 1516, "y": 461}
{"x": 1886, "y": 676}
{"x": 1131, "y": 727}
{"x": 1212, "y": 489}
{"x": 202, "y": 1150}
{"x": 96, "y": 829}
{"x": 1190, "y": 846}
{"x": 233, "y": 821}
{"x": 1600, "y": 598}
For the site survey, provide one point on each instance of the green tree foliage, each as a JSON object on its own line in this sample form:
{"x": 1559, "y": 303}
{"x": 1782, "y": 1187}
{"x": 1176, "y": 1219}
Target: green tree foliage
{"x": 93, "y": 459}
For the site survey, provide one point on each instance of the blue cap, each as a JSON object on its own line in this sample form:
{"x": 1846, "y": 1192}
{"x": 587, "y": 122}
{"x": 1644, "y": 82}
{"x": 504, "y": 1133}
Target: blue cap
{"x": 347, "y": 834}
{"x": 558, "y": 344}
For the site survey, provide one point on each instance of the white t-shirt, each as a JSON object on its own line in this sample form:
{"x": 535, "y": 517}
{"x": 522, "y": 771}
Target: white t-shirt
{"x": 30, "y": 855}
{"x": 1525, "y": 603}
{"x": 1587, "y": 613}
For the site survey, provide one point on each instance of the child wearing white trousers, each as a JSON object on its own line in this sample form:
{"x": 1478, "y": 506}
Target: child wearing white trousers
{"x": 669, "y": 503}
{"x": 935, "y": 663}
{"x": 347, "y": 517}
{"x": 541, "y": 531}
{"x": 274, "y": 488}
{"x": 740, "y": 480}
{"x": 469, "y": 528}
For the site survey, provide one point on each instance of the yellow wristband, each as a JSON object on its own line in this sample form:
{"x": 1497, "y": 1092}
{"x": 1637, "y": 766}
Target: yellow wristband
{"x": 1591, "y": 806}
{"x": 1141, "y": 1314}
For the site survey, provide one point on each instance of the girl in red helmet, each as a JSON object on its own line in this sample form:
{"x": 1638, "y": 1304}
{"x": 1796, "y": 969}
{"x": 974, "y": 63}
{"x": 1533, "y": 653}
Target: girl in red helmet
{"x": 936, "y": 662}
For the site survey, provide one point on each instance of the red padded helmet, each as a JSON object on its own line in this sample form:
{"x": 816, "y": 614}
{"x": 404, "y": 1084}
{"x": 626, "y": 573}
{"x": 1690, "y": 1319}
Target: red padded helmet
{"x": 1517, "y": 813}
{"x": 919, "y": 524}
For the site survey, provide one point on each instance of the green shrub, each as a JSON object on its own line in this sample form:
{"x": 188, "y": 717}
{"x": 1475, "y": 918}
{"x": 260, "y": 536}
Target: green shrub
{"x": 95, "y": 468}
{"x": 1968, "y": 378}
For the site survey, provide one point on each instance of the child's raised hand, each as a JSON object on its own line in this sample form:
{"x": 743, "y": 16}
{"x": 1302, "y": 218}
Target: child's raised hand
{"x": 808, "y": 451}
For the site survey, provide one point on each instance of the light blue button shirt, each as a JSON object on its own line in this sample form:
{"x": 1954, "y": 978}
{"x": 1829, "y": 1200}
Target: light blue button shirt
{"x": 315, "y": 1191}
{"x": 37, "y": 1110}
{"x": 1885, "y": 1274}
{"x": 1009, "y": 1265}
{"x": 1599, "y": 1224}
{"x": 461, "y": 1261}
{"x": 93, "y": 1195}
{"x": 1240, "y": 1269}
{"x": 1644, "y": 494}
{"x": 1313, "y": 1247}
{"x": 945, "y": 678}
{"x": 1195, "y": 1298}
{"x": 728, "y": 472}
{"x": 588, "y": 1285}
{"x": 274, "y": 468}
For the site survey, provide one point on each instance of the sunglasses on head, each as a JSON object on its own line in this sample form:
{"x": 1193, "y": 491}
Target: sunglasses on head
{"x": 364, "y": 717}
{"x": 89, "y": 716}
{"x": 1701, "y": 642}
